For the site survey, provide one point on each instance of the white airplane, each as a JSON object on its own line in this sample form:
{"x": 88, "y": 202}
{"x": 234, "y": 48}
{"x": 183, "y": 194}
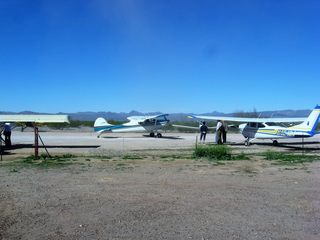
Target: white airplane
{"x": 266, "y": 128}
{"x": 150, "y": 124}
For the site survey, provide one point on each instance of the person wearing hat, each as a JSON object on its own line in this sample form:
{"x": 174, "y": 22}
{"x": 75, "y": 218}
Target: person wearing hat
{"x": 203, "y": 131}
{"x": 7, "y": 134}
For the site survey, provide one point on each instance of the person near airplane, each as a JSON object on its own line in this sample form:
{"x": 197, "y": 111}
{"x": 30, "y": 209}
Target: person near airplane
{"x": 219, "y": 129}
{"x": 224, "y": 131}
{"x": 203, "y": 131}
{"x": 7, "y": 134}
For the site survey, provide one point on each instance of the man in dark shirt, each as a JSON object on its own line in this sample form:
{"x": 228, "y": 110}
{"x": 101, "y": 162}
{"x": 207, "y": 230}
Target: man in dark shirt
{"x": 203, "y": 131}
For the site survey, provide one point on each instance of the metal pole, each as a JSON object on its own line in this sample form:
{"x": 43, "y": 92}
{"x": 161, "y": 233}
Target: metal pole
{"x": 36, "y": 142}
{"x": 196, "y": 141}
{"x": 1, "y": 149}
{"x": 122, "y": 145}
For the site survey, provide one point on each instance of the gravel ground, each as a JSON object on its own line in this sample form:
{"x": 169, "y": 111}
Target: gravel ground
{"x": 160, "y": 199}
{"x": 156, "y": 197}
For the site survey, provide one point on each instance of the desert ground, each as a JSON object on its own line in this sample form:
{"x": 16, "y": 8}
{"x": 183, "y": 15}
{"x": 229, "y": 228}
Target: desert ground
{"x": 126, "y": 186}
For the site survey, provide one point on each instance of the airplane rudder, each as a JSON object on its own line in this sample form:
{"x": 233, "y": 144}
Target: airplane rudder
{"x": 100, "y": 122}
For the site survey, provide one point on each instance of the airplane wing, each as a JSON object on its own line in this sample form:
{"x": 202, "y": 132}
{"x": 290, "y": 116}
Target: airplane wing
{"x": 184, "y": 126}
{"x": 257, "y": 120}
{"x": 30, "y": 118}
{"x": 196, "y": 128}
{"x": 157, "y": 116}
{"x": 190, "y": 127}
{"x": 144, "y": 118}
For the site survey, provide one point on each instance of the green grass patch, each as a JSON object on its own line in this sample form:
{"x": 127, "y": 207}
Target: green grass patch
{"x": 121, "y": 164}
{"x": 41, "y": 162}
{"x": 173, "y": 157}
{"x": 241, "y": 156}
{"x": 132, "y": 157}
{"x": 101, "y": 157}
{"x": 281, "y": 158}
{"x": 217, "y": 153}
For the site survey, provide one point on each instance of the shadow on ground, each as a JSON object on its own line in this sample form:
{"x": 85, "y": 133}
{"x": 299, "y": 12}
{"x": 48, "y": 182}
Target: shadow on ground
{"x": 20, "y": 146}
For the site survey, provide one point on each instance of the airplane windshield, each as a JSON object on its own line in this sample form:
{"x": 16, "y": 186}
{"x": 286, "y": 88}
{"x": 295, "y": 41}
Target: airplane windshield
{"x": 279, "y": 124}
{"x": 161, "y": 118}
{"x": 255, "y": 125}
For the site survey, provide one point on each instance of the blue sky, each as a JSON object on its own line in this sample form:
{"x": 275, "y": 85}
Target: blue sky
{"x": 170, "y": 56}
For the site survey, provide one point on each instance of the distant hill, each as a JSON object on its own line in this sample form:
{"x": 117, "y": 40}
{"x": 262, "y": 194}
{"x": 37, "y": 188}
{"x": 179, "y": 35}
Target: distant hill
{"x": 181, "y": 117}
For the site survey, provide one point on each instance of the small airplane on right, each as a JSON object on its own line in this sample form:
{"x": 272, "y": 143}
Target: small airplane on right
{"x": 267, "y": 128}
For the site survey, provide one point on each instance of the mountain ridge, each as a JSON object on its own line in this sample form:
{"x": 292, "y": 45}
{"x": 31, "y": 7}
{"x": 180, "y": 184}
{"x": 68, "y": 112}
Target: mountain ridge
{"x": 122, "y": 116}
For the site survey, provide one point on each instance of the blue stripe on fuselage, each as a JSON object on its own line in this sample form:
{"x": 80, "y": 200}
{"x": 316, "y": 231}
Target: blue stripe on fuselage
{"x": 114, "y": 127}
{"x": 110, "y": 128}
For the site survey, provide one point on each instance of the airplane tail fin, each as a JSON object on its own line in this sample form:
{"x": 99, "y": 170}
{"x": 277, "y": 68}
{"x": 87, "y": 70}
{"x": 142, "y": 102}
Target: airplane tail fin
{"x": 101, "y": 122}
{"x": 311, "y": 123}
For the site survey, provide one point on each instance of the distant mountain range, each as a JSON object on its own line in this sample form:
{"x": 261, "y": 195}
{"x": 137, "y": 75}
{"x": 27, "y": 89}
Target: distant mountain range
{"x": 91, "y": 116}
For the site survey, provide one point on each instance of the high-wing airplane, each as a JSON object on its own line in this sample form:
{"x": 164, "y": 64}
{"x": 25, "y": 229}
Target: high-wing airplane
{"x": 150, "y": 124}
{"x": 267, "y": 128}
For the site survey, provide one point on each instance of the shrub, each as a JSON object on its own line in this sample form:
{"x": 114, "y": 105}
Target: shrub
{"x": 215, "y": 152}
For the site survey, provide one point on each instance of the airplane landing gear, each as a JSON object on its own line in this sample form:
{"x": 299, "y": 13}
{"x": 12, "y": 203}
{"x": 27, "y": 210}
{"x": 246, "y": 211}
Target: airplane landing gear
{"x": 158, "y": 135}
{"x": 275, "y": 143}
{"x": 247, "y": 142}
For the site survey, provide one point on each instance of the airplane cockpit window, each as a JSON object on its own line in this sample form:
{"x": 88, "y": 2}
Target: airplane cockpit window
{"x": 252, "y": 124}
{"x": 260, "y": 125}
{"x": 255, "y": 125}
{"x": 161, "y": 118}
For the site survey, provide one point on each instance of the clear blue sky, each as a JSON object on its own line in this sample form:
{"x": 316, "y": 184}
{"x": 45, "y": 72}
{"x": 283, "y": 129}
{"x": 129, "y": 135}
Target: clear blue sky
{"x": 170, "y": 56}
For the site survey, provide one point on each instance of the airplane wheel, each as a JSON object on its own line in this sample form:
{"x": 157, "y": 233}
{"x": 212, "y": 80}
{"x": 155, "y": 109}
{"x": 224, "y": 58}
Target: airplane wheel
{"x": 275, "y": 143}
{"x": 152, "y": 134}
{"x": 159, "y": 135}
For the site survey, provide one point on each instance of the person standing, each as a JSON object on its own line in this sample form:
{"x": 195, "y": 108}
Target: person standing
{"x": 7, "y": 134}
{"x": 203, "y": 131}
{"x": 224, "y": 131}
{"x": 218, "y": 132}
